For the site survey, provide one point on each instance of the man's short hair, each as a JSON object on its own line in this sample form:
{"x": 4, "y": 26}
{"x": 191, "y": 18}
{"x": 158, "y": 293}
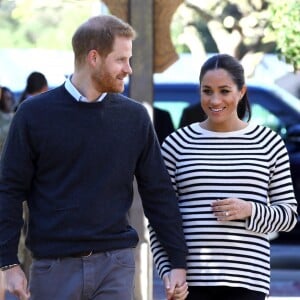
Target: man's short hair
{"x": 98, "y": 33}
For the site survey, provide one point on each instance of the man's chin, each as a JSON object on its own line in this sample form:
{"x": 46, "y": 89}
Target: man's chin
{"x": 115, "y": 88}
{"x": 119, "y": 89}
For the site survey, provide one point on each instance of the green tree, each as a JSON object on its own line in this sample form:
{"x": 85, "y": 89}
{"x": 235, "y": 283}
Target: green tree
{"x": 236, "y": 27}
{"x": 42, "y": 24}
{"x": 285, "y": 26}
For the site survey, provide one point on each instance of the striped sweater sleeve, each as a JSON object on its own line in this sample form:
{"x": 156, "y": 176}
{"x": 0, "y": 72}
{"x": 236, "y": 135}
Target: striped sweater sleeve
{"x": 161, "y": 260}
{"x": 280, "y": 213}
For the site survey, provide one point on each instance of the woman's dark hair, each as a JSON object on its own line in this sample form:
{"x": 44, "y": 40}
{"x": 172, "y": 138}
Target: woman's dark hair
{"x": 6, "y": 104}
{"x": 36, "y": 81}
{"x": 236, "y": 71}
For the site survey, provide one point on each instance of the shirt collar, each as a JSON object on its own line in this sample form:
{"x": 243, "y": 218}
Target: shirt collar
{"x": 76, "y": 94}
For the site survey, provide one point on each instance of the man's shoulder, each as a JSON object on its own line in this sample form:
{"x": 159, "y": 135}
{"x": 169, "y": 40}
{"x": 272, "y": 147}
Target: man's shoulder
{"x": 122, "y": 97}
{"x": 126, "y": 101}
{"x": 52, "y": 93}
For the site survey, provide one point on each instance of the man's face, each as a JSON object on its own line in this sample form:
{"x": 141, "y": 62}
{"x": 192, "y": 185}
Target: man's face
{"x": 110, "y": 72}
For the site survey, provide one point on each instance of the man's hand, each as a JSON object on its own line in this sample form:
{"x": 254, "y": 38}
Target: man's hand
{"x": 14, "y": 281}
{"x": 175, "y": 284}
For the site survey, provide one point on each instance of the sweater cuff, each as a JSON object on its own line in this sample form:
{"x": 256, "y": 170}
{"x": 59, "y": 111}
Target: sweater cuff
{"x": 250, "y": 222}
{"x": 178, "y": 260}
{"x": 8, "y": 256}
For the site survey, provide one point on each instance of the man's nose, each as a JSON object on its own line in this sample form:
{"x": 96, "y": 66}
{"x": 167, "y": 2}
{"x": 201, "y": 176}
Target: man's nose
{"x": 128, "y": 69}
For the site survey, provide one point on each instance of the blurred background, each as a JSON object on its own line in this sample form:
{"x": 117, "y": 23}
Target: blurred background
{"x": 35, "y": 35}
{"x": 263, "y": 34}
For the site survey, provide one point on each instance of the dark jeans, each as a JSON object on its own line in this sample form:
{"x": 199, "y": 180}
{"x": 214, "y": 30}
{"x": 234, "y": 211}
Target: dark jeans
{"x": 223, "y": 293}
{"x": 101, "y": 276}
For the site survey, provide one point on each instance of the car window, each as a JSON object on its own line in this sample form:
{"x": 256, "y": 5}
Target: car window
{"x": 262, "y": 116}
{"x": 175, "y": 109}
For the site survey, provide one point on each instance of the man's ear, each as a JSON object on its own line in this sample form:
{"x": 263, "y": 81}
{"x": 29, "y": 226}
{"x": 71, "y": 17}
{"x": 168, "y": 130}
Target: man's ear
{"x": 92, "y": 57}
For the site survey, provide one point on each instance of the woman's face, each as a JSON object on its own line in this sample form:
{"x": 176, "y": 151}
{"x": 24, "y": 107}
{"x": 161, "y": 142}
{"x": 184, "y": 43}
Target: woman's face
{"x": 9, "y": 101}
{"x": 219, "y": 99}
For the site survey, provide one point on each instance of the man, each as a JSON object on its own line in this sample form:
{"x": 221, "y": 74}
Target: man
{"x": 162, "y": 123}
{"x": 72, "y": 153}
{"x": 192, "y": 114}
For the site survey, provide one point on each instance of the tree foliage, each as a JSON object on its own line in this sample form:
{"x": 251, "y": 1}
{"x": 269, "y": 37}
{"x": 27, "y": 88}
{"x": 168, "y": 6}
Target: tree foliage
{"x": 41, "y": 24}
{"x": 285, "y": 25}
{"x": 235, "y": 27}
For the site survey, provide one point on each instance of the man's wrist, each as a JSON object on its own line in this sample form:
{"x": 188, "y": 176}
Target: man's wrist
{"x": 4, "y": 268}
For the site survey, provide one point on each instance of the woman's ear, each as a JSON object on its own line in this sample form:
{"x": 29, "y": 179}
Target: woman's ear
{"x": 243, "y": 91}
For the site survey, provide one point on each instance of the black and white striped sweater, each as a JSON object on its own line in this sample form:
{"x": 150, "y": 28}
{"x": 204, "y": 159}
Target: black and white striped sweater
{"x": 251, "y": 164}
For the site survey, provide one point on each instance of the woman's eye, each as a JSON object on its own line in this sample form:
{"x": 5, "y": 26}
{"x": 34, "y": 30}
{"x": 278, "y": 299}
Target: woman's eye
{"x": 225, "y": 92}
{"x": 207, "y": 92}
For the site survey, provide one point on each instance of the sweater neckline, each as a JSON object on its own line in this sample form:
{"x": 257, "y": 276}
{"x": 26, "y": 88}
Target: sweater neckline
{"x": 197, "y": 128}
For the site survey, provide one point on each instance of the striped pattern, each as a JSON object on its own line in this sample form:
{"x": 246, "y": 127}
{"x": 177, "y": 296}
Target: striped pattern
{"x": 251, "y": 164}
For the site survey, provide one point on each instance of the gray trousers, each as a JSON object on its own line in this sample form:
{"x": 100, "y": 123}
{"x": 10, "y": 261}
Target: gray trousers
{"x": 100, "y": 276}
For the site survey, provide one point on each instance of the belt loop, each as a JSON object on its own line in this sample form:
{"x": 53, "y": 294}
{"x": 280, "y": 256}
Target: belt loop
{"x": 88, "y": 255}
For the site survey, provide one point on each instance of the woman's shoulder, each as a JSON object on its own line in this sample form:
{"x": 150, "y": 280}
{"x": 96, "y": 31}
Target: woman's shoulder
{"x": 265, "y": 135}
{"x": 262, "y": 128}
{"x": 184, "y": 134}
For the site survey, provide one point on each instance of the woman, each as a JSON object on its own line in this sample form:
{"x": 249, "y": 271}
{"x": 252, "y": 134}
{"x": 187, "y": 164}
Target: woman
{"x": 7, "y": 103}
{"x": 7, "y": 100}
{"x": 234, "y": 187}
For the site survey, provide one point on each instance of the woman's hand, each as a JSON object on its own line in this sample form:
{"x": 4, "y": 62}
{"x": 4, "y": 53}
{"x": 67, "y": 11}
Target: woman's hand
{"x": 231, "y": 209}
{"x": 175, "y": 284}
{"x": 180, "y": 292}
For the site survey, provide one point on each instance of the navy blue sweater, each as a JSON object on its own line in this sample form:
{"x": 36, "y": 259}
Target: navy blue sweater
{"x": 75, "y": 162}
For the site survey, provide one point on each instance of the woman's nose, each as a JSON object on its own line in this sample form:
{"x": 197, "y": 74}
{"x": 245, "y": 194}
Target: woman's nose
{"x": 215, "y": 98}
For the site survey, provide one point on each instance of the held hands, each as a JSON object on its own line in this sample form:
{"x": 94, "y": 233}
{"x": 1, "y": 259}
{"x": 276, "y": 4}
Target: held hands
{"x": 14, "y": 281}
{"x": 231, "y": 209}
{"x": 175, "y": 284}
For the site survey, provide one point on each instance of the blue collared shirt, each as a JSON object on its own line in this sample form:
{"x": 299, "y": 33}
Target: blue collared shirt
{"x": 76, "y": 94}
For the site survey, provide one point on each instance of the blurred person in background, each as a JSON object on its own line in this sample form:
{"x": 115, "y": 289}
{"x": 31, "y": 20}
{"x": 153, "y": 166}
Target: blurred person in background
{"x": 7, "y": 100}
{"x": 191, "y": 114}
{"x": 7, "y": 104}
{"x": 36, "y": 84}
{"x": 163, "y": 123}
